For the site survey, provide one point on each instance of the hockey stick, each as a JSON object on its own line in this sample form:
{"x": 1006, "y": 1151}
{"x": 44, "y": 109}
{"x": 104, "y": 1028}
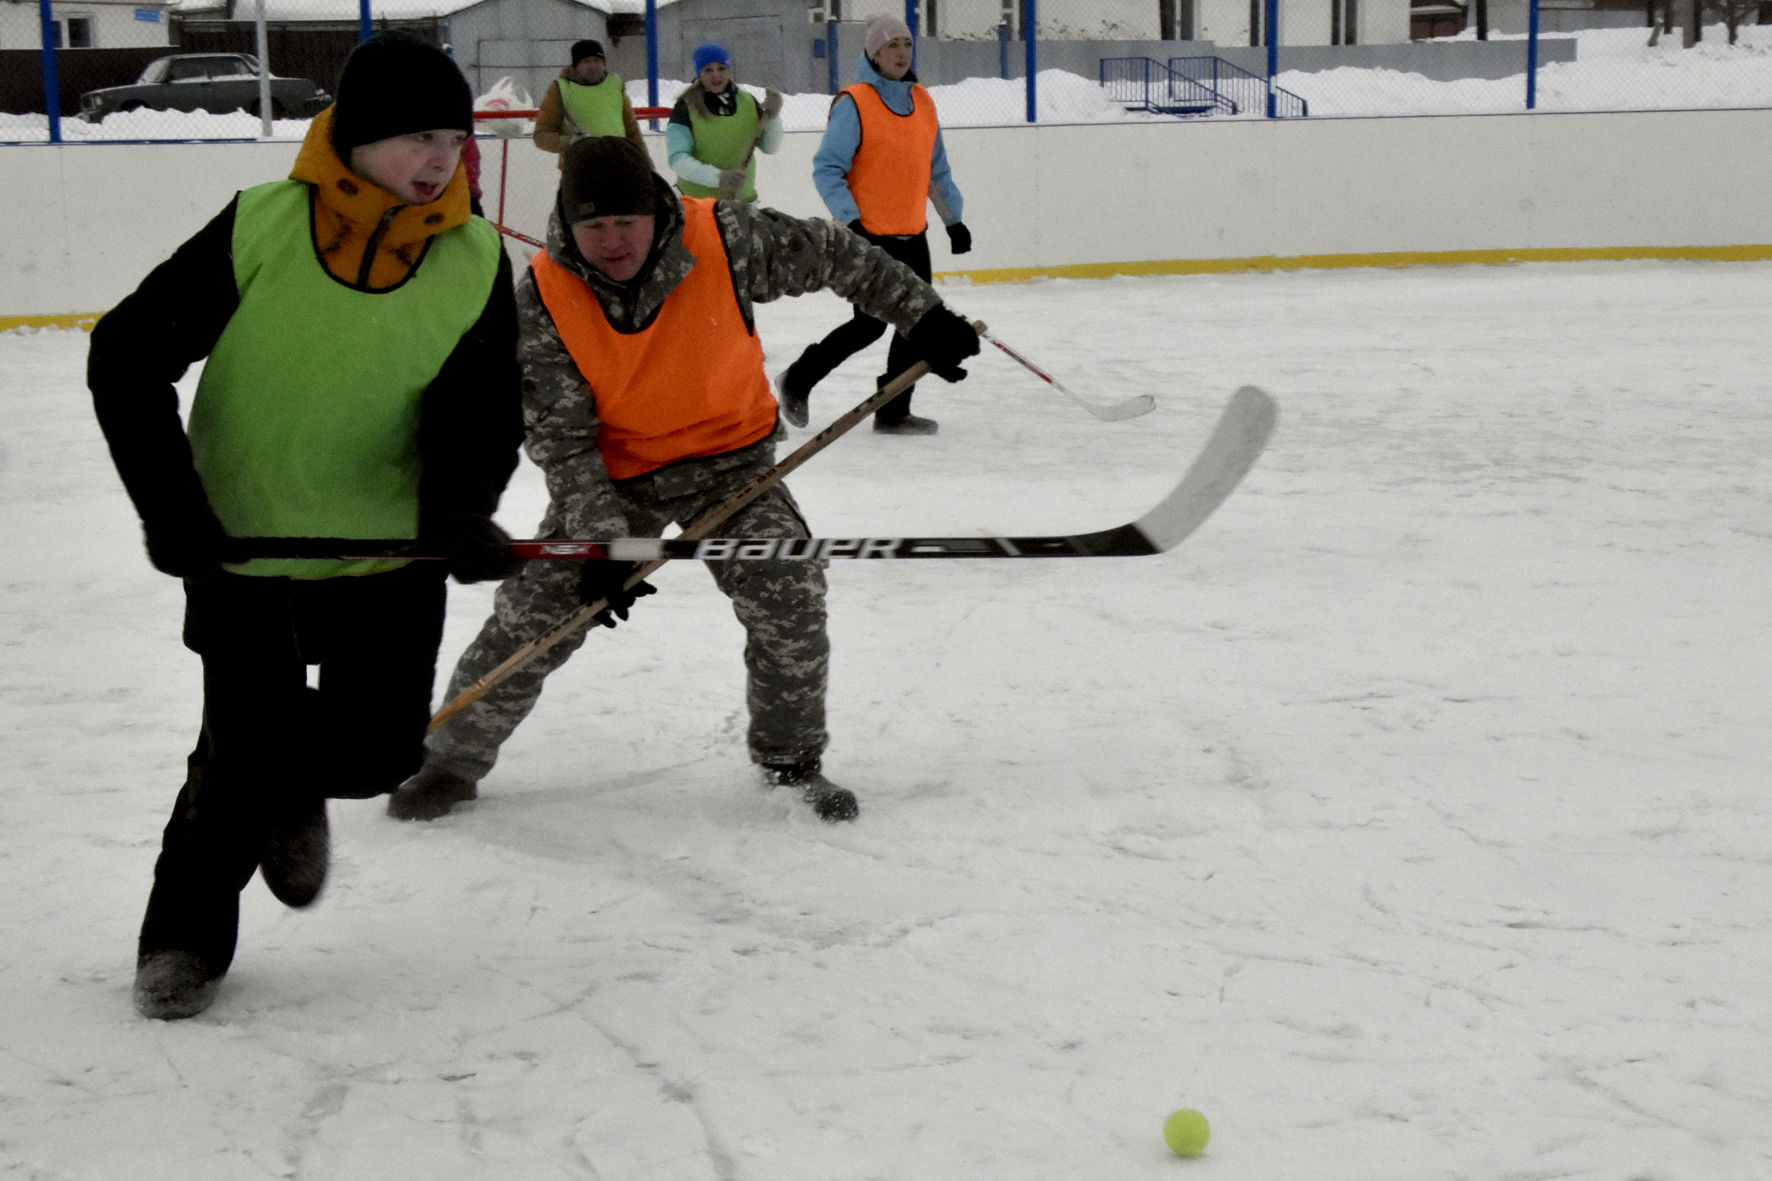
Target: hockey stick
{"x": 1106, "y": 411}
{"x": 1242, "y": 431}
{"x": 700, "y": 527}
{"x": 756, "y": 138}
{"x": 523, "y": 238}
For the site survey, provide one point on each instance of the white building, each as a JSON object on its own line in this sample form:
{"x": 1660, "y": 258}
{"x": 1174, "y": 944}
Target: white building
{"x": 88, "y": 24}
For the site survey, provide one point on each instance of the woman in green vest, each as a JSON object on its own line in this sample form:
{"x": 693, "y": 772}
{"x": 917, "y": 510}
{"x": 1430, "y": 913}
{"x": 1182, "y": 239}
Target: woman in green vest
{"x": 359, "y": 329}
{"x": 716, "y": 131}
{"x": 586, "y": 99}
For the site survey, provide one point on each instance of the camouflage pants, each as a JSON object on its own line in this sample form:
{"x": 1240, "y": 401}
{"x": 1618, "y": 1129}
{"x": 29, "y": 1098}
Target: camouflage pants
{"x": 779, "y": 603}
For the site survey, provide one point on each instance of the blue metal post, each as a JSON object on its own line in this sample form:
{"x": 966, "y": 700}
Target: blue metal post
{"x": 1030, "y": 31}
{"x": 365, "y": 22}
{"x": 652, "y": 53}
{"x": 830, "y": 55}
{"x": 52, "y": 83}
{"x": 1532, "y": 58}
{"x": 1273, "y": 52}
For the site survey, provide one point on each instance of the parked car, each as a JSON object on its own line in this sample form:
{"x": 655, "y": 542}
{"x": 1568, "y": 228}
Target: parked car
{"x": 213, "y": 82}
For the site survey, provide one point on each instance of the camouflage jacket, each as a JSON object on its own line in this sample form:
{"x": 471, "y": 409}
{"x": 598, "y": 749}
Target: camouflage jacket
{"x": 771, "y": 255}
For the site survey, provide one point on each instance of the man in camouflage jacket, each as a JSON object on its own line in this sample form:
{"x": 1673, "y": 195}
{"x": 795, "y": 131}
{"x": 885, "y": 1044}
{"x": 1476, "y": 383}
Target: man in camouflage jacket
{"x": 645, "y": 404}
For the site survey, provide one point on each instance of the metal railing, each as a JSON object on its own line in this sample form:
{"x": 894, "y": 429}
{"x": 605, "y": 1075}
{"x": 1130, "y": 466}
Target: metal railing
{"x": 1196, "y": 86}
{"x": 1145, "y": 84}
{"x": 1249, "y": 92}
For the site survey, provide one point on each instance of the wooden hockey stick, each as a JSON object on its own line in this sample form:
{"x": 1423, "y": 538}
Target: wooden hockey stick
{"x": 756, "y": 138}
{"x": 701, "y": 527}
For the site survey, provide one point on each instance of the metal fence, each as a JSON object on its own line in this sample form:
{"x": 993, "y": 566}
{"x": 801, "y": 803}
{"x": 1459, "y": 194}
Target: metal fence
{"x": 111, "y": 72}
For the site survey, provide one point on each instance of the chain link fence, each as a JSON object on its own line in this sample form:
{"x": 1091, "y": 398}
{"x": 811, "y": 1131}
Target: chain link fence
{"x": 141, "y": 72}
{"x": 154, "y": 71}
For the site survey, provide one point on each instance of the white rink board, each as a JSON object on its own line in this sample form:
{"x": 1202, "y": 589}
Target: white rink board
{"x": 87, "y": 221}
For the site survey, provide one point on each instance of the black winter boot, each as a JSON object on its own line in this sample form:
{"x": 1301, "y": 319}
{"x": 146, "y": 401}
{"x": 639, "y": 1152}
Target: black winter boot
{"x": 430, "y": 794}
{"x": 793, "y": 393}
{"x": 910, "y": 424}
{"x": 192, "y": 921}
{"x": 171, "y": 985}
{"x": 831, "y": 802}
{"x": 297, "y": 852}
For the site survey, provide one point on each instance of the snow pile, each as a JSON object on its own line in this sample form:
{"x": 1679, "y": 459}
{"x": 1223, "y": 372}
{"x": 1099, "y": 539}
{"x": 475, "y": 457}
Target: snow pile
{"x": 1614, "y": 70}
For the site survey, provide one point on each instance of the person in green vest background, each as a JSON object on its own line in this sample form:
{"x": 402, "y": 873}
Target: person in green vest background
{"x": 716, "y": 131}
{"x": 358, "y": 326}
{"x": 586, "y": 99}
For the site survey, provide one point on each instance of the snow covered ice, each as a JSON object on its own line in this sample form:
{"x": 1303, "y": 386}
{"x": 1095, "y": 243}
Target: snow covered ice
{"x": 1409, "y": 820}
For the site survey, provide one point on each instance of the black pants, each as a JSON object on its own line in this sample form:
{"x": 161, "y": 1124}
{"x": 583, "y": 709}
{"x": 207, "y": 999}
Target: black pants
{"x": 861, "y": 330}
{"x": 271, "y": 745}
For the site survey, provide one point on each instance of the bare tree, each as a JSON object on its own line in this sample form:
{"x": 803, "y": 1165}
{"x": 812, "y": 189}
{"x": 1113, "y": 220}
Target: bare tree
{"x": 1691, "y": 28}
{"x": 1660, "y": 14}
{"x": 1734, "y": 14}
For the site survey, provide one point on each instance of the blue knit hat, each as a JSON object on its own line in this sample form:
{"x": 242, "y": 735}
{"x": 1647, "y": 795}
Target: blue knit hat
{"x": 710, "y": 52}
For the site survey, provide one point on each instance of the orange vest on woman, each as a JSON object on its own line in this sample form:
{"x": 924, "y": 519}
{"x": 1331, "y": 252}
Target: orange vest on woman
{"x": 889, "y": 177}
{"x": 688, "y": 385}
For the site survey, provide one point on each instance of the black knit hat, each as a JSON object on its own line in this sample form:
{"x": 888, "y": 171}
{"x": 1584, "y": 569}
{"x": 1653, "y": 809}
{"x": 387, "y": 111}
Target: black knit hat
{"x": 605, "y": 176}
{"x": 395, "y": 84}
{"x": 584, "y": 49}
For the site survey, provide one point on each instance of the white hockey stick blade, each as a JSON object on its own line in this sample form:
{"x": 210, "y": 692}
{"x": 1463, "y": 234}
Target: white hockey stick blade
{"x": 1236, "y": 443}
{"x": 1106, "y": 411}
{"x": 1115, "y": 411}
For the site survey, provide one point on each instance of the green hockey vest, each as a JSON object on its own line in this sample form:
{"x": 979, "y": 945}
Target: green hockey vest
{"x": 594, "y": 110}
{"x": 723, "y": 141}
{"x": 305, "y": 421}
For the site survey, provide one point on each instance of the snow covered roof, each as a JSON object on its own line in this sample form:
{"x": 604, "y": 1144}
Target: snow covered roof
{"x": 349, "y": 10}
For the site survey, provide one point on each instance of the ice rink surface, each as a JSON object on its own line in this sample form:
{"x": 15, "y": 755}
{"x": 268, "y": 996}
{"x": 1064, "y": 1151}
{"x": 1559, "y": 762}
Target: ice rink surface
{"x": 1410, "y": 819}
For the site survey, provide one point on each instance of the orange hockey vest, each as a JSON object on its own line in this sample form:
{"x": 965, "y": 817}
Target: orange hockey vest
{"x": 688, "y": 385}
{"x": 889, "y": 177}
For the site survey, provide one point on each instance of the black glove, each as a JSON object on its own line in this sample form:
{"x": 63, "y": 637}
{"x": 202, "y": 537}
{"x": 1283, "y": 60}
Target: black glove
{"x": 856, "y": 226}
{"x": 475, "y": 549}
{"x": 192, "y": 546}
{"x": 959, "y": 238}
{"x": 944, "y": 340}
{"x": 603, "y": 581}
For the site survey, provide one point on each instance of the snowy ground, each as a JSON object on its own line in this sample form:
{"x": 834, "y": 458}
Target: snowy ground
{"x": 1615, "y": 70}
{"x": 1409, "y": 820}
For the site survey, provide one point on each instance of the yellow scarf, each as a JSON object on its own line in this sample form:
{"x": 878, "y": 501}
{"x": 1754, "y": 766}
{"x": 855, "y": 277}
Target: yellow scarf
{"x": 351, "y": 212}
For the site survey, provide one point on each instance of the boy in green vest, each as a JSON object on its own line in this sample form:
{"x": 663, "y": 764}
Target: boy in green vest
{"x": 716, "y": 129}
{"x": 586, "y": 99}
{"x": 359, "y": 326}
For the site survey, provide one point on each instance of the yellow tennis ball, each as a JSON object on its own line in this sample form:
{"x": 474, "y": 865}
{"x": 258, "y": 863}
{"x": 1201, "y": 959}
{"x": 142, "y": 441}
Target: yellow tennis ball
{"x": 1186, "y": 1132}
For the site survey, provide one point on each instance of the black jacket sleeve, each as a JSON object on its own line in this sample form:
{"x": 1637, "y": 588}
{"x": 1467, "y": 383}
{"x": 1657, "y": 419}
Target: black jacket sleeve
{"x": 138, "y": 350}
{"x": 471, "y": 420}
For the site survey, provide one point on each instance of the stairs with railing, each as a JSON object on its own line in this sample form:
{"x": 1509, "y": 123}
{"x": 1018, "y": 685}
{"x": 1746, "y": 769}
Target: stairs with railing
{"x": 1196, "y": 86}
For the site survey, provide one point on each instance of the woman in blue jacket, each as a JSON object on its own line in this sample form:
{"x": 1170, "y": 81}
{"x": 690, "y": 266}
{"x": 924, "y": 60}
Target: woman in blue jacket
{"x": 880, "y": 164}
